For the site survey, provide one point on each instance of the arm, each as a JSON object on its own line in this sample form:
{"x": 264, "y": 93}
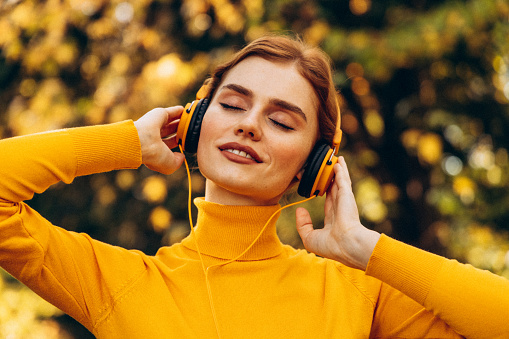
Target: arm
{"x": 74, "y": 272}
{"x": 474, "y": 303}
{"x": 56, "y": 264}
{"x": 31, "y": 164}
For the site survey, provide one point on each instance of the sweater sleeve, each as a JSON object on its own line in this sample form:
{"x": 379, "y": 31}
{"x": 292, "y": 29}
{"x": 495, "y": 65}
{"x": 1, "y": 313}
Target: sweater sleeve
{"x": 473, "y": 302}
{"x": 30, "y": 164}
{"x": 66, "y": 268}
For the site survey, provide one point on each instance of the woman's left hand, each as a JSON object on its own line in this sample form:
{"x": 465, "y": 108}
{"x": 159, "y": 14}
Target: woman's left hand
{"x": 343, "y": 238}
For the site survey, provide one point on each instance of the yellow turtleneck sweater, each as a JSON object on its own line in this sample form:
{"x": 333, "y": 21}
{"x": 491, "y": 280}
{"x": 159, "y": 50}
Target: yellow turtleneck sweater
{"x": 273, "y": 291}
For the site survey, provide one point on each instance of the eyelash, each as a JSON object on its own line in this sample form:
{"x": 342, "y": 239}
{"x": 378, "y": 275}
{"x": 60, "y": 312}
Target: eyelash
{"x": 280, "y": 125}
{"x": 231, "y": 108}
{"x": 275, "y": 122}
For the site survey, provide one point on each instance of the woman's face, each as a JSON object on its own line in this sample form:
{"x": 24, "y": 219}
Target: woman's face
{"x": 257, "y": 133}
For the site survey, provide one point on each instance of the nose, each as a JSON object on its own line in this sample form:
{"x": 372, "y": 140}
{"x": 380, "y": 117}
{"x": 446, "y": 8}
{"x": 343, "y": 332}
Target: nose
{"x": 249, "y": 126}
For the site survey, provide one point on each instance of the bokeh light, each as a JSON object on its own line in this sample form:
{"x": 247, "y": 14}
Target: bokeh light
{"x": 424, "y": 93}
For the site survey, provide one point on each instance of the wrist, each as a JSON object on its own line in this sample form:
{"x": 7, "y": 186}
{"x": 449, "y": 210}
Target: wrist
{"x": 145, "y": 142}
{"x": 367, "y": 243}
{"x": 359, "y": 248}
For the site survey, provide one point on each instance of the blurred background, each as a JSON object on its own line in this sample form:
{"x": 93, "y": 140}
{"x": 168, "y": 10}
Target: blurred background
{"x": 424, "y": 88}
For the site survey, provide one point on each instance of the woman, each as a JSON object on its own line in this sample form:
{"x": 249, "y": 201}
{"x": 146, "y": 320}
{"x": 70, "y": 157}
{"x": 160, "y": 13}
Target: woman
{"x": 268, "y": 107}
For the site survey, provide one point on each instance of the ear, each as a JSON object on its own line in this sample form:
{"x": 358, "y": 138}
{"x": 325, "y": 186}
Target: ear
{"x": 296, "y": 179}
{"x": 298, "y": 176}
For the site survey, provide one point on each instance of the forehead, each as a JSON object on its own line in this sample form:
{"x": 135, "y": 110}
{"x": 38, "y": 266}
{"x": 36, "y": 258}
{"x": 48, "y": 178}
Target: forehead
{"x": 268, "y": 79}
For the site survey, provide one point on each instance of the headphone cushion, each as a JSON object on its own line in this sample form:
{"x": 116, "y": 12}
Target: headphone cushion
{"x": 194, "y": 128}
{"x": 314, "y": 163}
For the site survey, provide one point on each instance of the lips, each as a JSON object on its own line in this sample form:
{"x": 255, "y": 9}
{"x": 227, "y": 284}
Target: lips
{"x": 241, "y": 151}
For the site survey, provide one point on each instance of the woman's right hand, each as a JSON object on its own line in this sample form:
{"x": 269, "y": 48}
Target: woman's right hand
{"x": 156, "y": 153}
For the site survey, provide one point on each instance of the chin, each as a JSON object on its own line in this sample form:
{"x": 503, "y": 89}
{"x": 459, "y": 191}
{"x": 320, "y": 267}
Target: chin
{"x": 229, "y": 181}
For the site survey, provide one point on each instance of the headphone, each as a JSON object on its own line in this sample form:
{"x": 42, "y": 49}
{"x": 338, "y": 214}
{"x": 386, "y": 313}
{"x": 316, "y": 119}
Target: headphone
{"x": 318, "y": 172}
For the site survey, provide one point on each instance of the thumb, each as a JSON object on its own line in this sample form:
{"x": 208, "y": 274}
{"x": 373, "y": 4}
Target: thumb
{"x": 179, "y": 159}
{"x": 304, "y": 225}
{"x": 174, "y": 161}
{"x": 167, "y": 163}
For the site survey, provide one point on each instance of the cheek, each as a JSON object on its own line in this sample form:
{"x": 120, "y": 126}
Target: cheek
{"x": 213, "y": 128}
{"x": 292, "y": 159}
{"x": 210, "y": 126}
{"x": 206, "y": 135}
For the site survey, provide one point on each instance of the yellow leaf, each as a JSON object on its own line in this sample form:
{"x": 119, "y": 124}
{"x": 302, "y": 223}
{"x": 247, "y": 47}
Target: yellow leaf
{"x": 374, "y": 123}
{"x": 429, "y": 149}
{"x": 464, "y": 187}
{"x": 154, "y": 189}
{"x": 160, "y": 218}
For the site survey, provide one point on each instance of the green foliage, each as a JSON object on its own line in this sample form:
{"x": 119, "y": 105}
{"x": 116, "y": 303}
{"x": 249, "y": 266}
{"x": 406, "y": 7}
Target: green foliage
{"x": 424, "y": 88}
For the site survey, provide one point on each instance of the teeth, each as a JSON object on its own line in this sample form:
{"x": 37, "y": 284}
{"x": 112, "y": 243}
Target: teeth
{"x": 240, "y": 153}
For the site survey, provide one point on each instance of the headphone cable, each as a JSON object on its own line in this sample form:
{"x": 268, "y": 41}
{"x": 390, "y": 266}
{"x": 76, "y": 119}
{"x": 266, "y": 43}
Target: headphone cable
{"x": 206, "y": 269}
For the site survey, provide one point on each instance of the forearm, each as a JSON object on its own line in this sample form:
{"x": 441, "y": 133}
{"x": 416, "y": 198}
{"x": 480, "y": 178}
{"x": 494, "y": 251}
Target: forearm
{"x": 30, "y": 164}
{"x": 474, "y": 303}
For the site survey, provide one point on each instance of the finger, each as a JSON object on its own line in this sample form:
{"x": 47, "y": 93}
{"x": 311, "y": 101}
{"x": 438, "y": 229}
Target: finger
{"x": 178, "y": 159}
{"x": 341, "y": 170}
{"x": 329, "y": 203}
{"x": 174, "y": 112}
{"x": 171, "y": 141}
{"x": 171, "y": 126}
{"x": 169, "y": 130}
{"x": 328, "y": 211}
{"x": 304, "y": 225}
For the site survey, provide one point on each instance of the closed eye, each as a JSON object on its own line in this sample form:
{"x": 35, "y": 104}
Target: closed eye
{"x": 231, "y": 108}
{"x": 280, "y": 125}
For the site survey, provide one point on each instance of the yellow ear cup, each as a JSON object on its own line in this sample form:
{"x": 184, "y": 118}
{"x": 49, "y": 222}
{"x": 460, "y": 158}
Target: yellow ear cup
{"x": 183, "y": 126}
{"x": 325, "y": 174}
{"x": 188, "y": 130}
{"x": 319, "y": 172}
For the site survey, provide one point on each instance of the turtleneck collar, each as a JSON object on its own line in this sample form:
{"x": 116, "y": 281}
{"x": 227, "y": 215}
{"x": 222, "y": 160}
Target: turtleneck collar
{"x": 225, "y": 231}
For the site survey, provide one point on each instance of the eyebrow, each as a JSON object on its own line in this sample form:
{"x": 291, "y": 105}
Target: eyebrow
{"x": 239, "y": 89}
{"x": 274, "y": 101}
{"x": 289, "y": 107}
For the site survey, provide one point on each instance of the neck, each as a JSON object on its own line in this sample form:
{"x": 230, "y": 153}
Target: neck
{"x": 225, "y": 232}
{"x": 219, "y": 195}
